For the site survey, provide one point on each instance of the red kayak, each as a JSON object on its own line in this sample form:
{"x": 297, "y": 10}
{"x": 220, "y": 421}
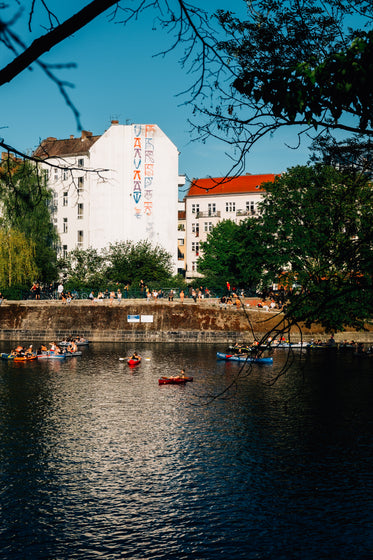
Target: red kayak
{"x": 173, "y": 380}
{"x": 133, "y": 362}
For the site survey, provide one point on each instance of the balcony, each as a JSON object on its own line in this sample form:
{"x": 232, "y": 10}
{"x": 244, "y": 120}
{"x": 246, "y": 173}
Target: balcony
{"x": 245, "y": 213}
{"x": 208, "y": 214}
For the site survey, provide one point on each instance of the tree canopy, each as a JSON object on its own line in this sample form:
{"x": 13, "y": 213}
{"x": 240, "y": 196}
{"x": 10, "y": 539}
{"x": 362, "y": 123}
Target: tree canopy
{"x": 123, "y": 262}
{"x": 17, "y": 259}
{"x": 305, "y": 65}
{"x": 26, "y": 208}
{"x": 233, "y": 253}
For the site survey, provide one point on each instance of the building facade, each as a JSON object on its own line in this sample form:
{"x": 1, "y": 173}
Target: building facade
{"x": 120, "y": 186}
{"x": 209, "y": 201}
{"x": 181, "y": 239}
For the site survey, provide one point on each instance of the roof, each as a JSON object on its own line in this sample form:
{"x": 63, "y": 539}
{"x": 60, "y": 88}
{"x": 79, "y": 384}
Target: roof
{"x": 51, "y": 147}
{"x": 229, "y": 185}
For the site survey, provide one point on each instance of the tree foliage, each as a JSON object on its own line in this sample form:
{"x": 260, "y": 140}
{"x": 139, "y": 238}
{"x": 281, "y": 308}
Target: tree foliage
{"x": 233, "y": 253}
{"x": 131, "y": 262}
{"x": 17, "y": 259}
{"x": 322, "y": 228}
{"x": 292, "y": 64}
{"x": 26, "y": 207}
{"x": 123, "y": 262}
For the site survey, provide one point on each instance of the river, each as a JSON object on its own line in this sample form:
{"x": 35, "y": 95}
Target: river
{"x": 98, "y": 461}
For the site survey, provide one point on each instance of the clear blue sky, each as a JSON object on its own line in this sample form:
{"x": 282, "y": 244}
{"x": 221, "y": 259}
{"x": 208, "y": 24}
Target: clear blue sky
{"x": 117, "y": 76}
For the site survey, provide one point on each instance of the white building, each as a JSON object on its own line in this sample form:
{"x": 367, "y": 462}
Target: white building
{"x": 120, "y": 186}
{"x": 181, "y": 238}
{"x": 212, "y": 200}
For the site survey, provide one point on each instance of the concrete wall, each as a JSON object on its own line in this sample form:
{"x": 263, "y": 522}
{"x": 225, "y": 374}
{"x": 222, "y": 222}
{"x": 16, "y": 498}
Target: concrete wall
{"x": 172, "y": 322}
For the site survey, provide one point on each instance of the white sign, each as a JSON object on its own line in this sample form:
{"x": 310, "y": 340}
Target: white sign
{"x": 146, "y": 318}
{"x": 133, "y": 318}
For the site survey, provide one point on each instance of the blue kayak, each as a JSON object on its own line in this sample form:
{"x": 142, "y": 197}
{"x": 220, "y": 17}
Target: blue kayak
{"x": 243, "y": 358}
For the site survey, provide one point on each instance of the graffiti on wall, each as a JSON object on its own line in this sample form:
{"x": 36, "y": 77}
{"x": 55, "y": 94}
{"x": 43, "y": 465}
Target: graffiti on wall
{"x": 143, "y": 174}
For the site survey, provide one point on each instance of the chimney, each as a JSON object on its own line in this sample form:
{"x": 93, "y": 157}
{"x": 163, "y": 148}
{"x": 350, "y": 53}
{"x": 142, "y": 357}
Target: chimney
{"x": 115, "y": 121}
{"x": 71, "y": 136}
{"x": 86, "y": 134}
{"x": 51, "y": 139}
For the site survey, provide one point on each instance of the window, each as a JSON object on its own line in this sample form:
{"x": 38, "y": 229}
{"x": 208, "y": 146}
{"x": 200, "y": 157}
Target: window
{"x": 80, "y": 238}
{"x": 181, "y": 242}
{"x": 195, "y": 208}
{"x": 64, "y": 251}
{"x": 80, "y": 211}
{"x": 250, "y": 206}
{"x": 81, "y": 162}
{"x": 80, "y": 183}
{"x": 230, "y": 206}
{"x": 65, "y": 228}
{"x": 65, "y": 174}
{"x": 195, "y": 228}
{"x": 211, "y": 208}
{"x": 208, "y": 226}
{"x": 56, "y": 174}
{"x": 195, "y": 247}
{"x": 65, "y": 199}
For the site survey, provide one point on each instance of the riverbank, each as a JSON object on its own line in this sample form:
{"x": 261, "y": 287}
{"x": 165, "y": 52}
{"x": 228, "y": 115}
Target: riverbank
{"x": 139, "y": 321}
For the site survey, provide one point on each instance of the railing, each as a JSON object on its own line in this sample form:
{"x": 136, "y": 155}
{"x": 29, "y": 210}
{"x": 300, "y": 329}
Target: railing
{"x": 208, "y": 214}
{"x": 245, "y": 213}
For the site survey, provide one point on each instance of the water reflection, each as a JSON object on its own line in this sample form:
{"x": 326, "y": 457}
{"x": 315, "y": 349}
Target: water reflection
{"x": 98, "y": 460}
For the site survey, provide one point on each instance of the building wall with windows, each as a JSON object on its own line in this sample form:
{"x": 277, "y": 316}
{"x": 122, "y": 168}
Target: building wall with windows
{"x": 209, "y": 201}
{"x": 181, "y": 239}
{"x": 120, "y": 186}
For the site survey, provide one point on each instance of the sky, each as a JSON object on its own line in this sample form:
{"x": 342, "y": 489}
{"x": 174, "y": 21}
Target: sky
{"x": 118, "y": 76}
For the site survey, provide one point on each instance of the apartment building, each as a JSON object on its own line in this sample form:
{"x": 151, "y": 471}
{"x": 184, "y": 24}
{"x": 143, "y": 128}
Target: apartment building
{"x": 119, "y": 186}
{"x": 212, "y": 200}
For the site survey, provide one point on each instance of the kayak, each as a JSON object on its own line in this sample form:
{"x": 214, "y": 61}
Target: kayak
{"x": 25, "y": 358}
{"x": 133, "y": 361}
{"x": 244, "y": 358}
{"x": 289, "y": 345}
{"x": 77, "y": 342}
{"x": 5, "y": 356}
{"x": 174, "y": 380}
{"x": 51, "y": 356}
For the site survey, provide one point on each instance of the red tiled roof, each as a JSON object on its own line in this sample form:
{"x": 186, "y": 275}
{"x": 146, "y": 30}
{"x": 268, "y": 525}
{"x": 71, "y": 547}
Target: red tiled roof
{"x": 51, "y": 147}
{"x": 229, "y": 185}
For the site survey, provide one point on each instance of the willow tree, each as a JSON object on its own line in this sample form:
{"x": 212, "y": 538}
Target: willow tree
{"x": 17, "y": 259}
{"x": 26, "y": 204}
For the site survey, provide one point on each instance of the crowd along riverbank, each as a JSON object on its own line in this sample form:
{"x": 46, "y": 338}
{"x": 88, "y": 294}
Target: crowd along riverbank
{"x": 140, "y": 321}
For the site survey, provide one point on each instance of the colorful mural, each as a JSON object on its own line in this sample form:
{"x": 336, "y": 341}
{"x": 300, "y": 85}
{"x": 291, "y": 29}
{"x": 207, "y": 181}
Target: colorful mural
{"x": 143, "y": 174}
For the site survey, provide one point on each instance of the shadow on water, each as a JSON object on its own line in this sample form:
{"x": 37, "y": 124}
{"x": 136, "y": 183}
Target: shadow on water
{"x": 99, "y": 461}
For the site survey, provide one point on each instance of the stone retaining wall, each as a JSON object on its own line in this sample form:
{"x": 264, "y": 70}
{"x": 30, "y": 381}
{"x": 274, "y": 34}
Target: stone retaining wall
{"x": 170, "y": 322}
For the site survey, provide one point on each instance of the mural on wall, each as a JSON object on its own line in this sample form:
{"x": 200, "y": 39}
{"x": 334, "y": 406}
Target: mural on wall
{"x": 143, "y": 174}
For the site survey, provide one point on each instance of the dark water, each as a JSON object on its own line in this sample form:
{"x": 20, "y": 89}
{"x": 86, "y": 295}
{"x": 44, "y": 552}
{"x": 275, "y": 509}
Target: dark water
{"x": 97, "y": 461}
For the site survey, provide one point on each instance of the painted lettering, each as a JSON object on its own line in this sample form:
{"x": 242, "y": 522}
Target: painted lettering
{"x": 149, "y": 170}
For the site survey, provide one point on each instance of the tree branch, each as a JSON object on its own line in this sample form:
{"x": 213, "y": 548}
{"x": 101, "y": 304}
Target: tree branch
{"x": 43, "y": 44}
